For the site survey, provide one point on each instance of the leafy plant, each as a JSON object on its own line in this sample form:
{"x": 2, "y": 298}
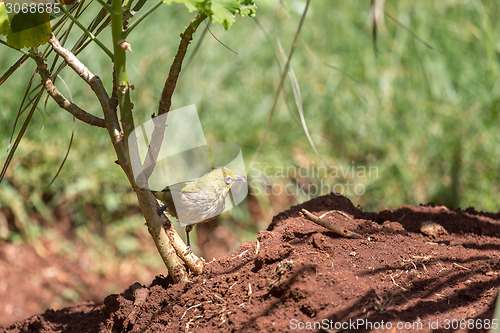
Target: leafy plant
{"x": 117, "y": 109}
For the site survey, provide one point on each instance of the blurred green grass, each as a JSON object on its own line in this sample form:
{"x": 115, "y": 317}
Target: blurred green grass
{"x": 425, "y": 120}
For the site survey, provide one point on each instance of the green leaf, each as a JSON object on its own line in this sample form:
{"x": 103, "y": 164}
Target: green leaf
{"x": 4, "y": 20}
{"x": 24, "y": 30}
{"x": 248, "y": 8}
{"x": 220, "y": 11}
{"x": 31, "y": 37}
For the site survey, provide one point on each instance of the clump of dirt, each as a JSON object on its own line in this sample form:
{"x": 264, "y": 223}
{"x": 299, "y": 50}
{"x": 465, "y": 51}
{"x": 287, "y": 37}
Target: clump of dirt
{"x": 300, "y": 275}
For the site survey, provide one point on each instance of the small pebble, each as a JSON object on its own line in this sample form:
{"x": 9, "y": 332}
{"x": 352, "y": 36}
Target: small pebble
{"x": 432, "y": 229}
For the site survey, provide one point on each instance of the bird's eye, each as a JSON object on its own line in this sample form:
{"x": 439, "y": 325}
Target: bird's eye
{"x": 228, "y": 180}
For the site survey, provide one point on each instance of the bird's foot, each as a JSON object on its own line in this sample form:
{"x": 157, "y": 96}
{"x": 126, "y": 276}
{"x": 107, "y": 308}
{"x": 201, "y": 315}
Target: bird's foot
{"x": 187, "y": 251}
{"x": 161, "y": 209}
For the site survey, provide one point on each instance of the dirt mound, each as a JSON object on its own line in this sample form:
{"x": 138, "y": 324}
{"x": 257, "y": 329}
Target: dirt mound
{"x": 299, "y": 275}
{"x": 46, "y": 275}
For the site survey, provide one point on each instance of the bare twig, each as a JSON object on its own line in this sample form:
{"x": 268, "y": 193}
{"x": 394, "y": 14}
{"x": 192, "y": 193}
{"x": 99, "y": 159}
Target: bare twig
{"x": 330, "y": 226}
{"x": 92, "y": 80}
{"x": 166, "y": 96}
{"x": 242, "y": 253}
{"x": 72, "y": 108}
{"x": 119, "y": 133}
{"x": 461, "y": 267}
{"x": 71, "y": 60}
{"x": 175, "y": 68}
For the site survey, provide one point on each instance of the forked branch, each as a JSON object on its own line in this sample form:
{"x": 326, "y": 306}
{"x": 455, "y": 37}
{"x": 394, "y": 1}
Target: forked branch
{"x": 92, "y": 80}
{"x": 64, "y": 103}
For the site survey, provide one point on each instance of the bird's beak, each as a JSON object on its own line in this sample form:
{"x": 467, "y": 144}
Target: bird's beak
{"x": 238, "y": 177}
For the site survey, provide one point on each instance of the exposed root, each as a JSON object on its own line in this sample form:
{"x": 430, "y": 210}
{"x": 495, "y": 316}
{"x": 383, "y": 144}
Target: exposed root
{"x": 397, "y": 285}
{"x": 193, "y": 307}
{"x": 190, "y": 321}
{"x": 380, "y": 304}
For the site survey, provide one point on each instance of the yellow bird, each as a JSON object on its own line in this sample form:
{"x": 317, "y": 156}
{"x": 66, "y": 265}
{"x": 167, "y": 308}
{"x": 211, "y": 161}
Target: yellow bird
{"x": 198, "y": 201}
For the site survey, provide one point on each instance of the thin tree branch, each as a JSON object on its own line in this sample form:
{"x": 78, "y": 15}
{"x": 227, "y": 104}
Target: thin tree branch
{"x": 168, "y": 90}
{"x": 175, "y": 69}
{"x": 193, "y": 263}
{"x": 26, "y": 53}
{"x": 92, "y": 80}
{"x": 109, "y": 109}
{"x": 72, "y": 108}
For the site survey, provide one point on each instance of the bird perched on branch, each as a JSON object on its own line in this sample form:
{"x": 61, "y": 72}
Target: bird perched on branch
{"x": 198, "y": 201}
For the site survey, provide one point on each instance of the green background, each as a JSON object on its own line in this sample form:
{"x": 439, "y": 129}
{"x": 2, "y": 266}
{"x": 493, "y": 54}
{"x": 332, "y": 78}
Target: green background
{"x": 423, "y": 120}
